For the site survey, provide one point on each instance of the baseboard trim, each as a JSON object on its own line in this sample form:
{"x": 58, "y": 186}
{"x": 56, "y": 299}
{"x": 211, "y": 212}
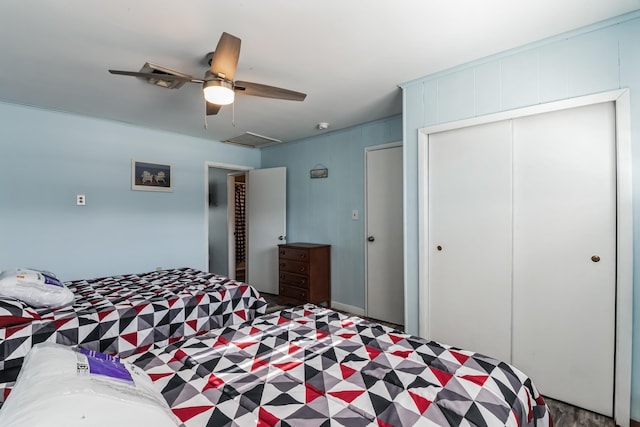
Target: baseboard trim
{"x": 348, "y": 308}
{"x": 634, "y": 423}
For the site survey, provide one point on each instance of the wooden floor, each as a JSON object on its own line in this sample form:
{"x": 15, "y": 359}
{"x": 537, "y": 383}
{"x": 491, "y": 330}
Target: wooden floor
{"x": 273, "y": 305}
{"x": 565, "y": 415}
{"x": 272, "y": 302}
{"x": 562, "y": 414}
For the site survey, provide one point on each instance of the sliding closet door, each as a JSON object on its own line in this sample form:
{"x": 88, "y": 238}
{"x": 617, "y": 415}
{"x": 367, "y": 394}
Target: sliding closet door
{"x": 469, "y": 301}
{"x": 564, "y": 253}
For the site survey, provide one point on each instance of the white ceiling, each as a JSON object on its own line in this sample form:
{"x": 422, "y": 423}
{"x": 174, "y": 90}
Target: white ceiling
{"x": 348, "y": 55}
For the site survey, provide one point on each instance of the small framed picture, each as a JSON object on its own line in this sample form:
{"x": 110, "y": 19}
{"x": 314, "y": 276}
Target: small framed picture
{"x": 319, "y": 173}
{"x": 148, "y": 176}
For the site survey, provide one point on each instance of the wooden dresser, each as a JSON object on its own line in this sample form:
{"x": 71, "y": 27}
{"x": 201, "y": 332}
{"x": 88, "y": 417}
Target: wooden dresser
{"x": 304, "y": 273}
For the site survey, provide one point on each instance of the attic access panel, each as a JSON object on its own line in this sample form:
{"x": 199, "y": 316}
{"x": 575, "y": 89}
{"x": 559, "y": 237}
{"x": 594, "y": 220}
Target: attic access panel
{"x": 253, "y": 140}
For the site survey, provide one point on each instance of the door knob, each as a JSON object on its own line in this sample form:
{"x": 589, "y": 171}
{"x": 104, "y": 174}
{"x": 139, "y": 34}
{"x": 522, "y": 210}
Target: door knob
{"x": 595, "y": 258}
{"x": 371, "y": 238}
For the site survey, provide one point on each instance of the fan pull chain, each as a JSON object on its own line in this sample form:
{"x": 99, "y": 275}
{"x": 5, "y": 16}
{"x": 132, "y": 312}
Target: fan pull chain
{"x": 233, "y": 114}
{"x": 206, "y": 126}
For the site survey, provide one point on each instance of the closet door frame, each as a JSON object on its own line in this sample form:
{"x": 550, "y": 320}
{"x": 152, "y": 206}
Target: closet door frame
{"x": 624, "y": 230}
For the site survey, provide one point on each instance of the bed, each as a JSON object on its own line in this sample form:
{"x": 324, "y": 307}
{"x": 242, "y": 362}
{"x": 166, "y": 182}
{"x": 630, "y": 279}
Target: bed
{"x": 310, "y": 365}
{"x": 126, "y": 314}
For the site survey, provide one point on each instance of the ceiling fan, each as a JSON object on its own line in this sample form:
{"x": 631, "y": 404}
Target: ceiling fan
{"x": 218, "y": 85}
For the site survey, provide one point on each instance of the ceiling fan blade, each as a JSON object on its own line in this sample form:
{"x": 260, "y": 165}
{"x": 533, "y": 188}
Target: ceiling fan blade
{"x": 225, "y": 57}
{"x": 212, "y": 109}
{"x": 162, "y": 76}
{"x": 257, "y": 89}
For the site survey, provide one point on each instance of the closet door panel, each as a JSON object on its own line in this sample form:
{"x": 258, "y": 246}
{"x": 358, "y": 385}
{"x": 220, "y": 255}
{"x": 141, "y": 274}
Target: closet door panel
{"x": 469, "y": 271}
{"x": 564, "y": 214}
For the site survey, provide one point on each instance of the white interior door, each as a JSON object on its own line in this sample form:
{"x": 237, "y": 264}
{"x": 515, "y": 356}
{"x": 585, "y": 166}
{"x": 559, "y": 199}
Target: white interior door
{"x": 385, "y": 288}
{"x": 266, "y": 211}
{"x": 469, "y": 238}
{"x": 564, "y": 214}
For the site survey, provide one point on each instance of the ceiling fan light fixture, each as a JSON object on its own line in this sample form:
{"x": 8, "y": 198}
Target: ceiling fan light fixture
{"x": 218, "y": 84}
{"x": 218, "y": 92}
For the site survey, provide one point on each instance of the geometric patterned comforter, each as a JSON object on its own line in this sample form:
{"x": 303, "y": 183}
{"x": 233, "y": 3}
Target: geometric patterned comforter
{"x": 313, "y": 366}
{"x": 129, "y": 314}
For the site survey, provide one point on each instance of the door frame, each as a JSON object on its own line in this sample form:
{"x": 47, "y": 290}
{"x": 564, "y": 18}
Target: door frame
{"x": 624, "y": 228}
{"x": 366, "y": 219}
{"x": 231, "y": 168}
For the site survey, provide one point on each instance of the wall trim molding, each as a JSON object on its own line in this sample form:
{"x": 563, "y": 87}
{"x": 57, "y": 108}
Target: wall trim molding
{"x": 347, "y": 308}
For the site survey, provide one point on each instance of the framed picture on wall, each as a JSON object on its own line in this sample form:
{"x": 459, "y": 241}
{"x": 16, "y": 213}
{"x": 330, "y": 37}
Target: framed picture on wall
{"x": 148, "y": 176}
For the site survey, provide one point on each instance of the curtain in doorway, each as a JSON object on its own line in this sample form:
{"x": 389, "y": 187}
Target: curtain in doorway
{"x": 241, "y": 234}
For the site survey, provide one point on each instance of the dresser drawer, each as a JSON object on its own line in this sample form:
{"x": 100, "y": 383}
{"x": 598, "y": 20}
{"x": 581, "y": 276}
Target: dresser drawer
{"x": 304, "y": 273}
{"x": 294, "y": 254}
{"x": 294, "y": 279}
{"x": 286, "y": 265}
{"x": 293, "y": 292}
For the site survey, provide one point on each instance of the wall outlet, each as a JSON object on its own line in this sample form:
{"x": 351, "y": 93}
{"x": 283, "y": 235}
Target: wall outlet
{"x": 354, "y": 214}
{"x": 81, "y": 200}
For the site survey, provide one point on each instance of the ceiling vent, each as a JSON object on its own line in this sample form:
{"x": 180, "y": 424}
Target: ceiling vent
{"x": 253, "y": 140}
{"x": 162, "y": 71}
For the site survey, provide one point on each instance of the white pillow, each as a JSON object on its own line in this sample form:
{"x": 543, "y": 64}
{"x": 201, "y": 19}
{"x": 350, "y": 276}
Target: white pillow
{"x": 60, "y": 387}
{"x": 36, "y": 288}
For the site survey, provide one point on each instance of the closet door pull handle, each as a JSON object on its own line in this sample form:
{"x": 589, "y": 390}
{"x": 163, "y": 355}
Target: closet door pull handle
{"x": 595, "y": 258}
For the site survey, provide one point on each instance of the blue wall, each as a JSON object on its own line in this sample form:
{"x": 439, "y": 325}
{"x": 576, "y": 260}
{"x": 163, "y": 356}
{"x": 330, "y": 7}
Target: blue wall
{"x": 47, "y": 157}
{"x": 319, "y": 210}
{"x": 599, "y": 58}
